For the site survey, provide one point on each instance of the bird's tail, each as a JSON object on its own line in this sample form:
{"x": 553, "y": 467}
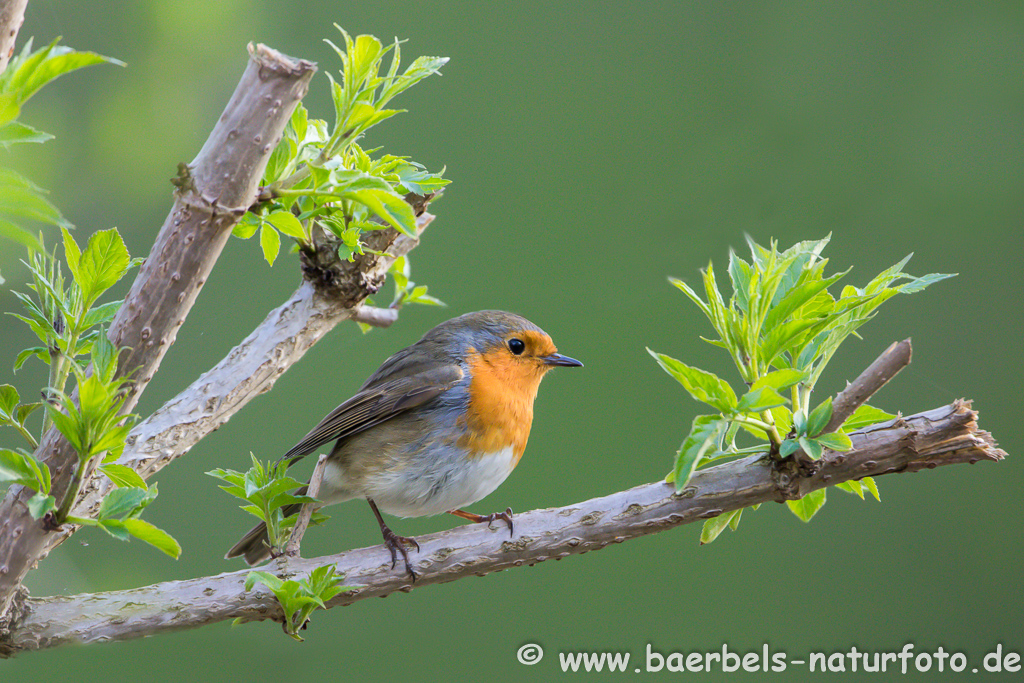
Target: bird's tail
{"x": 255, "y": 545}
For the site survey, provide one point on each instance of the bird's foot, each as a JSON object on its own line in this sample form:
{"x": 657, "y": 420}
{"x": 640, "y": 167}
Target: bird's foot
{"x": 505, "y": 516}
{"x": 397, "y": 544}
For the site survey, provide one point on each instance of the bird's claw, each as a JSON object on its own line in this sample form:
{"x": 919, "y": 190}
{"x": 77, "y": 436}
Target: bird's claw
{"x": 396, "y": 544}
{"x": 505, "y": 516}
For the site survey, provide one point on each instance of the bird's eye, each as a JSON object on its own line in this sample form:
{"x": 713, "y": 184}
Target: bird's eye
{"x": 516, "y": 346}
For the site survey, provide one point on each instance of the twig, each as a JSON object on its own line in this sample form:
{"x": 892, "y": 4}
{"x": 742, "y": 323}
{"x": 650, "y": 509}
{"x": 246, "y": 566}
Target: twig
{"x": 306, "y": 512}
{"x": 943, "y": 436}
{"x": 885, "y": 367}
{"x": 377, "y": 317}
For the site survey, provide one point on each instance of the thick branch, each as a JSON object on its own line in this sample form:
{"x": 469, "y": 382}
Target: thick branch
{"x": 12, "y": 15}
{"x": 213, "y": 192}
{"x": 943, "y": 436}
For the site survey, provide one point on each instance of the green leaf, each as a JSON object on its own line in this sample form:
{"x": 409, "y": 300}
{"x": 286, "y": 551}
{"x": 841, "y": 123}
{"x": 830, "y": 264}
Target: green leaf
{"x": 148, "y": 533}
{"x": 869, "y": 482}
{"x": 389, "y": 207}
{"x": 836, "y": 441}
{"x": 808, "y": 506}
{"x": 123, "y": 476}
{"x": 23, "y": 411}
{"x": 104, "y": 261}
{"x": 67, "y": 425}
{"x": 716, "y": 525}
{"x": 811, "y": 447}
{"x": 39, "y": 504}
{"x": 115, "y": 528}
{"x": 853, "y": 486}
{"x": 16, "y": 468}
{"x": 16, "y": 233}
{"x": 269, "y": 580}
{"x": 791, "y": 336}
{"x": 685, "y": 288}
{"x": 287, "y": 223}
{"x": 121, "y": 502}
{"x": 101, "y": 314}
{"x": 14, "y": 132}
{"x": 246, "y": 228}
{"x": 797, "y": 297}
{"x": 864, "y": 416}
{"x": 705, "y": 436}
{"x": 19, "y": 197}
{"x": 759, "y": 400}
{"x": 788, "y": 447}
{"x": 346, "y": 180}
{"x": 739, "y": 274}
{"x": 9, "y": 107}
{"x": 703, "y": 386}
{"x": 917, "y": 284}
{"x": 8, "y": 399}
{"x": 783, "y": 417}
{"x": 780, "y": 379}
{"x": 270, "y": 242}
{"x": 58, "y": 60}
{"x": 819, "y": 417}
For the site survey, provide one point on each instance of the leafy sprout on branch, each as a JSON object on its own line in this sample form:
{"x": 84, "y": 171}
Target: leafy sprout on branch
{"x": 781, "y": 326}
{"x": 321, "y": 186}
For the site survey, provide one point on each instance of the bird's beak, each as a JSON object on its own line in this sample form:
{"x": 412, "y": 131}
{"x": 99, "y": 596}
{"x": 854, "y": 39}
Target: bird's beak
{"x": 562, "y": 361}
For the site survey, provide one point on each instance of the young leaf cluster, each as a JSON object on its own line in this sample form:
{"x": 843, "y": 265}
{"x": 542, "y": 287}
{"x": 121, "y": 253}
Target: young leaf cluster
{"x": 68, "y": 320}
{"x": 781, "y": 326}
{"x": 26, "y": 73}
{"x": 320, "y": 184}
{"x": 267, "y": 490}
{"x": 298, "y": 599}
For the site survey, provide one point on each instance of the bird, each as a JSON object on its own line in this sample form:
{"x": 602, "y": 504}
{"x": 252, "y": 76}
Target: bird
{"x": 439, "y": 426}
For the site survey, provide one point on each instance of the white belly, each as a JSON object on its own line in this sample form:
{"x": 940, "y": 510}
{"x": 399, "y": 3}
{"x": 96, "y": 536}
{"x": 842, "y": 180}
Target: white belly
{"x": 449, "y": 485}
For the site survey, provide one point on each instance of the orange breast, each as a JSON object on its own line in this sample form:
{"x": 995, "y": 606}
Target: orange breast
{"x": 501, "y": 396}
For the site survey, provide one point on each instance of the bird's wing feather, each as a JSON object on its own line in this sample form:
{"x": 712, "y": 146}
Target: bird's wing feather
{"x": 377, "y": 403}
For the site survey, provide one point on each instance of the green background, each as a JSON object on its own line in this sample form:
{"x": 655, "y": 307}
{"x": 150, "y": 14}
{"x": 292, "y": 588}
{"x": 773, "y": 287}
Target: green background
{"x": 595, "y": 149}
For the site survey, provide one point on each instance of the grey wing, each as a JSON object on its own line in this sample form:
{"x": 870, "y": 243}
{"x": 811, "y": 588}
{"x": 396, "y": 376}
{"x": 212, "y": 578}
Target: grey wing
{"x": 377, "y": 403}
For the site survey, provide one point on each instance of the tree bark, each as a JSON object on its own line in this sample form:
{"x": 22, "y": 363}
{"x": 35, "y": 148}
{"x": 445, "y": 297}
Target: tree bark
{"x": 12, "y": 16}
{"x": 212, "y": 194}
{"x": 943, "y": 436}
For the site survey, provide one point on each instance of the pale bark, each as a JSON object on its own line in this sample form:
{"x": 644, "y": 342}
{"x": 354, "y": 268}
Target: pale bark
{"x": 943, "y": 436}
{"x": 12, "y": 15}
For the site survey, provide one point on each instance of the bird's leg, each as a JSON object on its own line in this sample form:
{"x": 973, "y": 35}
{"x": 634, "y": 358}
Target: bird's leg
{"x": 505, "y": 516}
{"x": 394, "y": 542}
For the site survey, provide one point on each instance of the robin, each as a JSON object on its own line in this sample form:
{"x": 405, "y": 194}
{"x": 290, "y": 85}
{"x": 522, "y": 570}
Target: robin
{"x": 438, "y": 427}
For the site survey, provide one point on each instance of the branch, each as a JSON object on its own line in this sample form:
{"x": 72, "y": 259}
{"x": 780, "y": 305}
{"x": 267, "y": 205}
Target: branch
{"x": 877, "y": 375}
{"x": 306, "y": 513}
{"x": 943, "y": 436}
{"x": 12, "y": 15}
{"x": 212, "y": 194}
{"x": 376, "y": 317}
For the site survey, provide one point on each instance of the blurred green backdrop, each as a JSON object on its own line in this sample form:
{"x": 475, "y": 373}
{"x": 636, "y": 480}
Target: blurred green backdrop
{"x": 595, "y": 149}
